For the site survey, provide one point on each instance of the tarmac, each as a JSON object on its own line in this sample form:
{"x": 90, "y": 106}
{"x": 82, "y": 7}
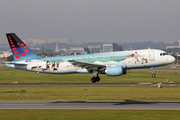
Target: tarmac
{"x": 128, "y": 104}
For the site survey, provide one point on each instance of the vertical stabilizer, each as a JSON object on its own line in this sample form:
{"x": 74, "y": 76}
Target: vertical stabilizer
{"x": 19, "y": 50}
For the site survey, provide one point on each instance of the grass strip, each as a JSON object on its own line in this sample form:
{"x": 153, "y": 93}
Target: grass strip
{"x": 89, "y": 114}
{"x": 9, "y": 75}
{"x": 80, "y": 93}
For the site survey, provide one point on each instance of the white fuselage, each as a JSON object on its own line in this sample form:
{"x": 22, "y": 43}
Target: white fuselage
{"x": 60, "y": 65}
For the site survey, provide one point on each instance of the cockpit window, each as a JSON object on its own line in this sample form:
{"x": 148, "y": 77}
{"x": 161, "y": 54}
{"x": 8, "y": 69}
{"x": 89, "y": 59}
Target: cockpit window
{"x": 163, "y": 54}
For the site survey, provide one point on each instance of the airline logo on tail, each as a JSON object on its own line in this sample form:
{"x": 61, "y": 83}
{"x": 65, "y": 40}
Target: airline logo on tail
{"x": 19, "y": 49}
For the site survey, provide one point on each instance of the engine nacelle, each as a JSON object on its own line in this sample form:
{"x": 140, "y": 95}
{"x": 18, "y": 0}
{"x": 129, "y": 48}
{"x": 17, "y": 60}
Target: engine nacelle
{"x": 114, "y": 71}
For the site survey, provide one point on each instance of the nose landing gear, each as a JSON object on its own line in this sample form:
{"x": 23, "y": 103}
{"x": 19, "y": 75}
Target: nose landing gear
{"x": 152, "y": 70}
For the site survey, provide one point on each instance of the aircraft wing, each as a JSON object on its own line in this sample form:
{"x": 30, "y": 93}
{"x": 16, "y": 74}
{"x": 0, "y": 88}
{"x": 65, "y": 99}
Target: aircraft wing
{"x": 88, "y": 66}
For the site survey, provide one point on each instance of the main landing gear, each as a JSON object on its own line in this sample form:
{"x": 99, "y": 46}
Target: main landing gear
{"x": 152, "y": 70}
{"x": 95, "y": 79}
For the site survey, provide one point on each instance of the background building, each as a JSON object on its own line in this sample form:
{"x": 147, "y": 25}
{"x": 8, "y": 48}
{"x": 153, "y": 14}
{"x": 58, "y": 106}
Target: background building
{"x": 112, "y": 47}
{"x": 94, "y": 49}
{"x": 107, "y": 47}
{"x": 167, "y": 47}
{"x": 30, "y": 42}
{"x": 63, "y": 40}
{"x": 33, "y": 42}
{"x": 5, "y": 54}
{"x": 117, "y": 47}
{"x": 78, "y": 50}
{"x": 87, "y": 50}
{"x": 52, "y": 40}
{"x": 39, "y": 41}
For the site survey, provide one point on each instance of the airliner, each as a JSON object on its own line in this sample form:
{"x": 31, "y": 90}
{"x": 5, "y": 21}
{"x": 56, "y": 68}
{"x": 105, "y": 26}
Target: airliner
{"x": 109, "y": 63}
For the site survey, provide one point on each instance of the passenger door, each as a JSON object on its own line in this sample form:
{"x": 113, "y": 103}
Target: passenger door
{"x": 151, "y": 55}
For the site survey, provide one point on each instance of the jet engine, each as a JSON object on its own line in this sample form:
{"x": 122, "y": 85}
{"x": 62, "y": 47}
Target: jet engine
{"x": 114, "y": 71}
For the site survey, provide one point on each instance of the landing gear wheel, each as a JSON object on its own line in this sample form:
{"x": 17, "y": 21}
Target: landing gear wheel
{"x": 97, "y": 79}
{"x": 153, "y": 75}
{"x": 93, "y": 80}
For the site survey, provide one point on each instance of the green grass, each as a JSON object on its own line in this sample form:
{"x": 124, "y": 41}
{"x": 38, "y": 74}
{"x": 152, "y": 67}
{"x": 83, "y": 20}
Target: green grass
{"x": 89, "y": 114}
{"x": 83, "y": 93}
{"x": 9, "y": 75}
{"x": 58, "y": 93}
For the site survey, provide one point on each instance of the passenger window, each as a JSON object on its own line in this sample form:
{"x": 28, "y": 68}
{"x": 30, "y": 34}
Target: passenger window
{"x": 164, "y": 54}
{"x": 160, "y": 54}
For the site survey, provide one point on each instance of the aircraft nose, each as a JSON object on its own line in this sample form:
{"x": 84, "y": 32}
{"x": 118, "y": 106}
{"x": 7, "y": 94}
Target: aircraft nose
{"x": 172, "y": 59}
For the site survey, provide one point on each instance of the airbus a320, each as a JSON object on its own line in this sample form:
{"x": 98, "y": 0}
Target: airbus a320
{"x": 110, "y": 63}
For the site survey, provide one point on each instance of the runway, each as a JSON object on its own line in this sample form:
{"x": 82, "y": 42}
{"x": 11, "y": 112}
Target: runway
{"x": 155, "y": 105}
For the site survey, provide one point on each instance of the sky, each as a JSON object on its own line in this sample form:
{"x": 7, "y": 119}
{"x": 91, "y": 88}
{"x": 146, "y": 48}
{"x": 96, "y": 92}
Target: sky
{"x": 122, "y": 21}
